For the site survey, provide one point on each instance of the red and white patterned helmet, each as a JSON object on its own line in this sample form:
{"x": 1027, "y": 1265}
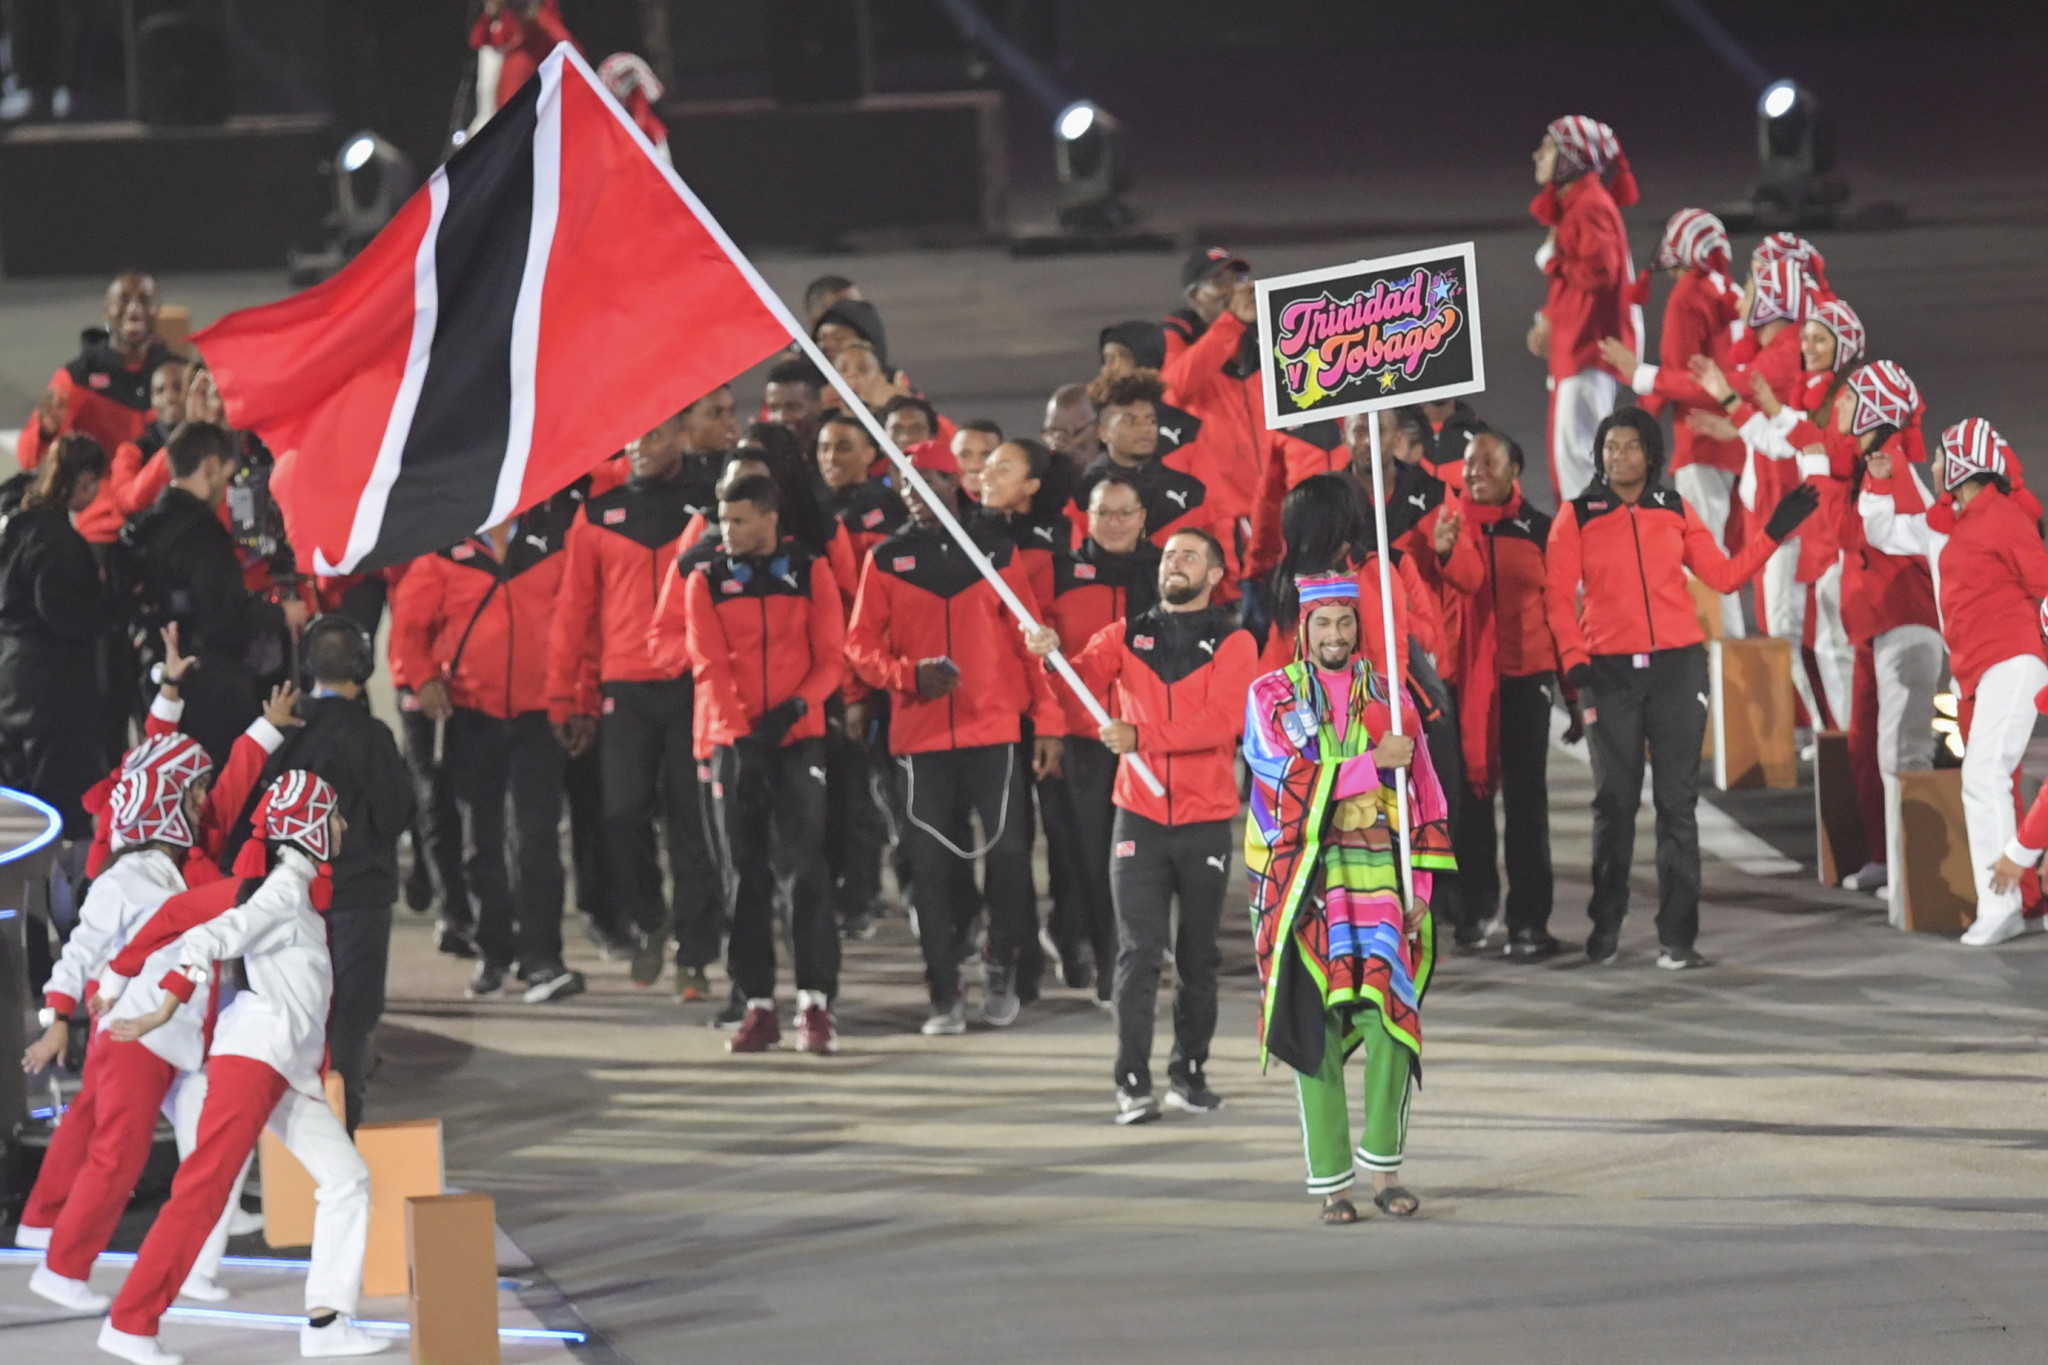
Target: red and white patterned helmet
{"x": 1583, "y": 144}
{"x": 1840, "y": 319}
{"x": 147, "y": 803}
{"x": 625, "y": 72}
{"x": 1784, "y": 293}
{"x": 1790, "y": 246}
{"x": 1972, "y": 447}
{"x": 294, "y": 811}
{"x": 1694, "y": 239}
{"x": 1885, "y": 396}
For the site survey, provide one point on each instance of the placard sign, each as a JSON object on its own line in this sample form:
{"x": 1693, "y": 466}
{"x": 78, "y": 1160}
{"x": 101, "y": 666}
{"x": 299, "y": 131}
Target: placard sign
{"x": 1373, "y": 334}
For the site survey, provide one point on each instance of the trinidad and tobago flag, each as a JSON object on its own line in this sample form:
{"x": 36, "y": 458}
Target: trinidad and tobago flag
{"x": 550, "y": 294}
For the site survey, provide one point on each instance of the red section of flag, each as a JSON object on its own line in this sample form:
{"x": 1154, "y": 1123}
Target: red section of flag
{"x": 641, "y": 312}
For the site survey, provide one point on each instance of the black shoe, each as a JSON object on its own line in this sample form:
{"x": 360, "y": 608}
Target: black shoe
{"x": 1075, "y": 971}
{"x": 1188, "y": 1091}
{"x": 1601, "y": 945}
{"x": 552, "y": 982}
{"x": 859, "y": 928}
{"x": 419, "y": 889}
{"x": 1135, "y": 1106}
{"x": 487, "y": 979}
{"x": 734, "y": 1013}
{"x": 454, "y": 942}
{"x": 1680, "y": 960}
{"x": 1531, "y": 945}
{"x": 648, "y": 960}
{"x": 1469, "y": 940}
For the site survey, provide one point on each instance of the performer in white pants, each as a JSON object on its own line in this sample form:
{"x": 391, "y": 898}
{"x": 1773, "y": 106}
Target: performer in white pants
{"x": 264, "y": 1070}
{"x": 1991, "y": 575}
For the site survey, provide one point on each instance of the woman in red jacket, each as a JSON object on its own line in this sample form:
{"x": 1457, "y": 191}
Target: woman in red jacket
{"x": 1586, "y": 183}
{"x": 1632, "y": 648}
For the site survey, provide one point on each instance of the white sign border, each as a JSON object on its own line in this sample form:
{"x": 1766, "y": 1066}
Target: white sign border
{"x": 1277, "y": 421}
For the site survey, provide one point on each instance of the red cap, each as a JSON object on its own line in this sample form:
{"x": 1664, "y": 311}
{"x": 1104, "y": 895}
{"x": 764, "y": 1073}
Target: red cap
{"x": 933, "y": 457}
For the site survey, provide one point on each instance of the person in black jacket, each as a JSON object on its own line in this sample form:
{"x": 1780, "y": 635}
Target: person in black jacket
{"x": 53, "y": 610}
{"x": 190, "y": 574}
{"x": 356, "y": 755}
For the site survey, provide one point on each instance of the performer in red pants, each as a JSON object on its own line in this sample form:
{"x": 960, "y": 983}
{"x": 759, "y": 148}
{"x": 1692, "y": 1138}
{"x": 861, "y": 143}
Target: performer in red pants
{"x": 267, "y": 1055}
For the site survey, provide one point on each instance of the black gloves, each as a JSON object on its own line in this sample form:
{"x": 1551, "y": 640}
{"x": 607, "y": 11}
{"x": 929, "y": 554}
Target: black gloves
{"x": 1792, "y": 509}
{"x": 1578, "y": 676}
{"x": 775, "y": 722}
{"x": 1255, "y": 613}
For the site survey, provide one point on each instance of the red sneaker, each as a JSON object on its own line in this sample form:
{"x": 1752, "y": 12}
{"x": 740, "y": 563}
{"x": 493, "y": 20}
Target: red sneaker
{"x": 758, "y": 1032}
{"x": 814, "y": 1031}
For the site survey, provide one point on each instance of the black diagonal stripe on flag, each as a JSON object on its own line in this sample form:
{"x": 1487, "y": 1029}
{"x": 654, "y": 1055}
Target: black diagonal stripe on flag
{"x": 457, "y": 441}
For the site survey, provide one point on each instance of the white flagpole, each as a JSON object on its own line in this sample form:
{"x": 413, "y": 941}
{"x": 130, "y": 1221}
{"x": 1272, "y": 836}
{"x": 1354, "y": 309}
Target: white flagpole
{"x": 798, "y": 333}
{"x": 1379, "y": 516}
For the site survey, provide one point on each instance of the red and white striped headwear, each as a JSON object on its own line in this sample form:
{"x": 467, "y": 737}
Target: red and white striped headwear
{"x": 1783, "y": 294}
{"x": 1694, "y": 239}
{"x": 1840, "y": 319}
{"x": 1780, "y": 246}
{"x": 1969, "y": 448}
{"x": 1885, "y": 396}
{"x": 294, "y": 811}
{"x": 1586, "y": 144}
{"x": 625, "y": 72}
{"x": 147, "y": 803}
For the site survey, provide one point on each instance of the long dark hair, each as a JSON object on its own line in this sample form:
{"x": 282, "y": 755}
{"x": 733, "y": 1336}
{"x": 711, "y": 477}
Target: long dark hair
{"x": 1321, "y": 524}
{"x": 1055, "y": 479}
{"x": 74, "y": 458}
{"x": 801, "y": 518}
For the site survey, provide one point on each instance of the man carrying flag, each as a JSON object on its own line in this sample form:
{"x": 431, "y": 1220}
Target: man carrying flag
{"x": 1344, "y": 950}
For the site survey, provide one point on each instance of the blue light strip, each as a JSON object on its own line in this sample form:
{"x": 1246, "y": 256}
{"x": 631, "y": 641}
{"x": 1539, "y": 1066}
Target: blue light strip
{"x": 227, "y": 1262}
{"x": 52, "y": 829}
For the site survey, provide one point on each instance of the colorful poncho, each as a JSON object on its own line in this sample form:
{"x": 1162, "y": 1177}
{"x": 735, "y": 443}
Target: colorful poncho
{"x": 1326, "y": 902}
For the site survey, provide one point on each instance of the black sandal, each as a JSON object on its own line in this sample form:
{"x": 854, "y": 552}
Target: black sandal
{"x": 1384, "y": 1202}
{"x": 1338, "y": 1211}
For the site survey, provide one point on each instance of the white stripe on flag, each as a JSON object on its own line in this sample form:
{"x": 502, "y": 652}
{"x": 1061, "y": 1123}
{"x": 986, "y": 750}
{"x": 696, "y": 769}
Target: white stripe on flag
{"x": 426, "y": 304}
{"x": 540, "y": 244}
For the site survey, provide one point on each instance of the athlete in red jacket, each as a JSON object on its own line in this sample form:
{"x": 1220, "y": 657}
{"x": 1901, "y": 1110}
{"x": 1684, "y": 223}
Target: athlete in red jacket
{"x": 1631, "y": 648}
{"x": 1178, "y": 673}
{"x": 606, "y": 688}
{"x": 1586, "y": 183}
{"x": 766, "y": 639}
{"x": 1506, "y": 682}
{"x": 470, "y": 628}
{"x": 525, "y": 31}
{"x": 1166, "y": 452}
{"x": 1214, "y": 373}
{"x": 1112, "y": 574}
{"x": 929, "y": 629}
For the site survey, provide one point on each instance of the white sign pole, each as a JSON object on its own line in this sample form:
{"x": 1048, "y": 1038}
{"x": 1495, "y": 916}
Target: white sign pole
{"x": 1379, "y": 517}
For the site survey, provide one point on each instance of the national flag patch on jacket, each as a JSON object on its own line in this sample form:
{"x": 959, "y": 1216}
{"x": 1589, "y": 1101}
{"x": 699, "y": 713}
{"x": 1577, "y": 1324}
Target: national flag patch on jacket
{"x": 448, "y": 377}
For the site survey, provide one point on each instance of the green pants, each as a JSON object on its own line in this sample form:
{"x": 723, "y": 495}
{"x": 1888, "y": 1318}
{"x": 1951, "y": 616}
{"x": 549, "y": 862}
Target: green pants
{"x": 1326, "y": 1127}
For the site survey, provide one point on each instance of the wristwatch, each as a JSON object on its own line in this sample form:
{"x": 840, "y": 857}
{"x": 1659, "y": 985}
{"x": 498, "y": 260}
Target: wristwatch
{"x": 46, "y": 1016}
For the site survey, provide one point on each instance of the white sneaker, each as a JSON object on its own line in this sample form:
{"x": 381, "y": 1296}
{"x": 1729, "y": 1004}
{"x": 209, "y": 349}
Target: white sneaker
{"x": 1869, "y": 877}
{"x": 138, "y": 1350}
{"x": 32, "y": 1239}
{"x": 199, "y": 1289}
{"x": 76, "y": 1295}
{"x": 242, "y": 1222}
{"x": 339, "y": 1338}
{"x": 1987, "y": 932}
{"x": 947, "y": 1023}
{"x": 60, "y": 103}
{"x": 16, "y": 103}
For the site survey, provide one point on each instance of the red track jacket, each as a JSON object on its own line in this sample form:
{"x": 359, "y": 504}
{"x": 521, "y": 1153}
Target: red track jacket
{"x": 758, "y": 631}
{"x": 1696, "y": 319}
{"x": 480, "y": 624}
{"x": 1628, "y": 560}
{"x": 108, "y": 400}
{"x": 1506, "y": 629}
{"x": 1177, "y": 487}
{"x": 619, "y": 551}
{"x": 921, "y": 599}
{"x": 1214, "y": 373}
{"x": 1181, "y": 678}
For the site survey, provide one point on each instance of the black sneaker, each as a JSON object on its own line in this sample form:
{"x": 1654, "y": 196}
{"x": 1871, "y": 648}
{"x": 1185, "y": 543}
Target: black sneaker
{"x": 1076, "y": 973}
{"x": 552, "y": 982}
{"x": 1189, "y": 1092}
{"x": 1469, "y": 940}
{"x": 734, "y": 1013}
{"x": 1531, "y": 945}
{"x": 1601, "y": 945}
{"x": 1135, "y": 1106}
{"x": 859, "y": 928}
{"x": 454, "y": 942}
{"x": 648, "y": 959}
{"x": 487, "y": 979}
{"x": 1680, "y": 960}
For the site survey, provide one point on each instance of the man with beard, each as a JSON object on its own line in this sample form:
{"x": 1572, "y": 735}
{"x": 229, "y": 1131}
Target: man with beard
{"x": 1179, "y": 673}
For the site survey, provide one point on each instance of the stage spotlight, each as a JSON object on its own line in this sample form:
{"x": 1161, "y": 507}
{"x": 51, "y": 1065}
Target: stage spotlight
{"x": 370, "y": 180}
{"x": 1795, "y": 147}
{"x": 1094, "y": 169}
